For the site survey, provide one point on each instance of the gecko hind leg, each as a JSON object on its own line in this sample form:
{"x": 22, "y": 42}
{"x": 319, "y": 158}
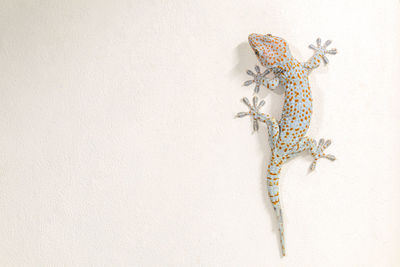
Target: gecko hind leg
{"x": 317, "y": 151}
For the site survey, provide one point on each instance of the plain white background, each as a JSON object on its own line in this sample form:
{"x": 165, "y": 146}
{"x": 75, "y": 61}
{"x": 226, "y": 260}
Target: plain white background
{"x": 118, "y": 145}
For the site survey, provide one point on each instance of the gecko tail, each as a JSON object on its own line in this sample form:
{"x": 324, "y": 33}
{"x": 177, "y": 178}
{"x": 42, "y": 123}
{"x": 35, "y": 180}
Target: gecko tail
{"x": 281, "y": 231}
{"x": 274, "y": 170}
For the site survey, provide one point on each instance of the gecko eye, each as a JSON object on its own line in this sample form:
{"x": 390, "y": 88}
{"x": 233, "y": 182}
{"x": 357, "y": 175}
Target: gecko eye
{"x": 257, "y": 53}
{"x": 269, "y": 35}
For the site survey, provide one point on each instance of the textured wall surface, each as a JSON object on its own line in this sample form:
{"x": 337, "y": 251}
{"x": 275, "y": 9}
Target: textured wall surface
{"x": 118, "y": 145}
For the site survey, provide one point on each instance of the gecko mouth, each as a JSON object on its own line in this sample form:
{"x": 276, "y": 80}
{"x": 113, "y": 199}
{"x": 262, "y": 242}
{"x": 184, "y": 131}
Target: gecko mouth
{"x": 253, "y": 39}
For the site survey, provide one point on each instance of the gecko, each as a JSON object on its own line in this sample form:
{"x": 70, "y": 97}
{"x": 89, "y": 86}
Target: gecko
{"x": 287, "y": 137}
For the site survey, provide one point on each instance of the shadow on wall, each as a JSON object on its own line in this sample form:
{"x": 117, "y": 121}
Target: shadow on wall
{"x": 245, "y": 59}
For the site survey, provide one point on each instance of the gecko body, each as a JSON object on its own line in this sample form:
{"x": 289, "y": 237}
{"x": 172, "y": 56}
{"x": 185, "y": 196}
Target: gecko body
{"x": 287, "y": 137}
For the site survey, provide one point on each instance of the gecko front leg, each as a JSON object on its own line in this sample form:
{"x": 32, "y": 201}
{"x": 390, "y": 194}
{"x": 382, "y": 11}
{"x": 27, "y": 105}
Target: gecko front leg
{"x": 320, "y": 54}
{"x": 260, "y": 79}
{"x": 272, "y": 123}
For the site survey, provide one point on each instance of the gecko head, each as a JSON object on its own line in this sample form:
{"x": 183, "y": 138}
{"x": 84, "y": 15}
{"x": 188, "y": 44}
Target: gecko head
{"x": 270, "y": 50}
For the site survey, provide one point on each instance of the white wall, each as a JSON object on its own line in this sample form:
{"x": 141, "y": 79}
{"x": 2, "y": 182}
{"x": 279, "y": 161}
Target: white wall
{"x": 118, "y": 145}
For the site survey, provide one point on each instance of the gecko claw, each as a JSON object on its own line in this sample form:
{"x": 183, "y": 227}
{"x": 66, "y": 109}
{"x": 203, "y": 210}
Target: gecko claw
{"x": 242, "y": 114}
{"x": 312, "y": 167}
{"x": 330, "y": 157}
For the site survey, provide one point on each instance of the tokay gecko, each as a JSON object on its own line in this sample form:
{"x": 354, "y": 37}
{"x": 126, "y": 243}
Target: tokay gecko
{"x": 287, "y": 137}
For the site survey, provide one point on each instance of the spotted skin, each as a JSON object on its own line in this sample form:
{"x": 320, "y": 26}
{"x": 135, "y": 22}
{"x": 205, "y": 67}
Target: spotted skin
{"x": 287, "y": 137}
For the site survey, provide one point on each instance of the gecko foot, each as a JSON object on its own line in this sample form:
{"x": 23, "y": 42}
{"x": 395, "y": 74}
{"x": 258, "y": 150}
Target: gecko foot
{"x": 257, "y": 78}
{"x": 253, "y": 110}
{"x": 318, "y": 152}
{"x": 323, "y": 49}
